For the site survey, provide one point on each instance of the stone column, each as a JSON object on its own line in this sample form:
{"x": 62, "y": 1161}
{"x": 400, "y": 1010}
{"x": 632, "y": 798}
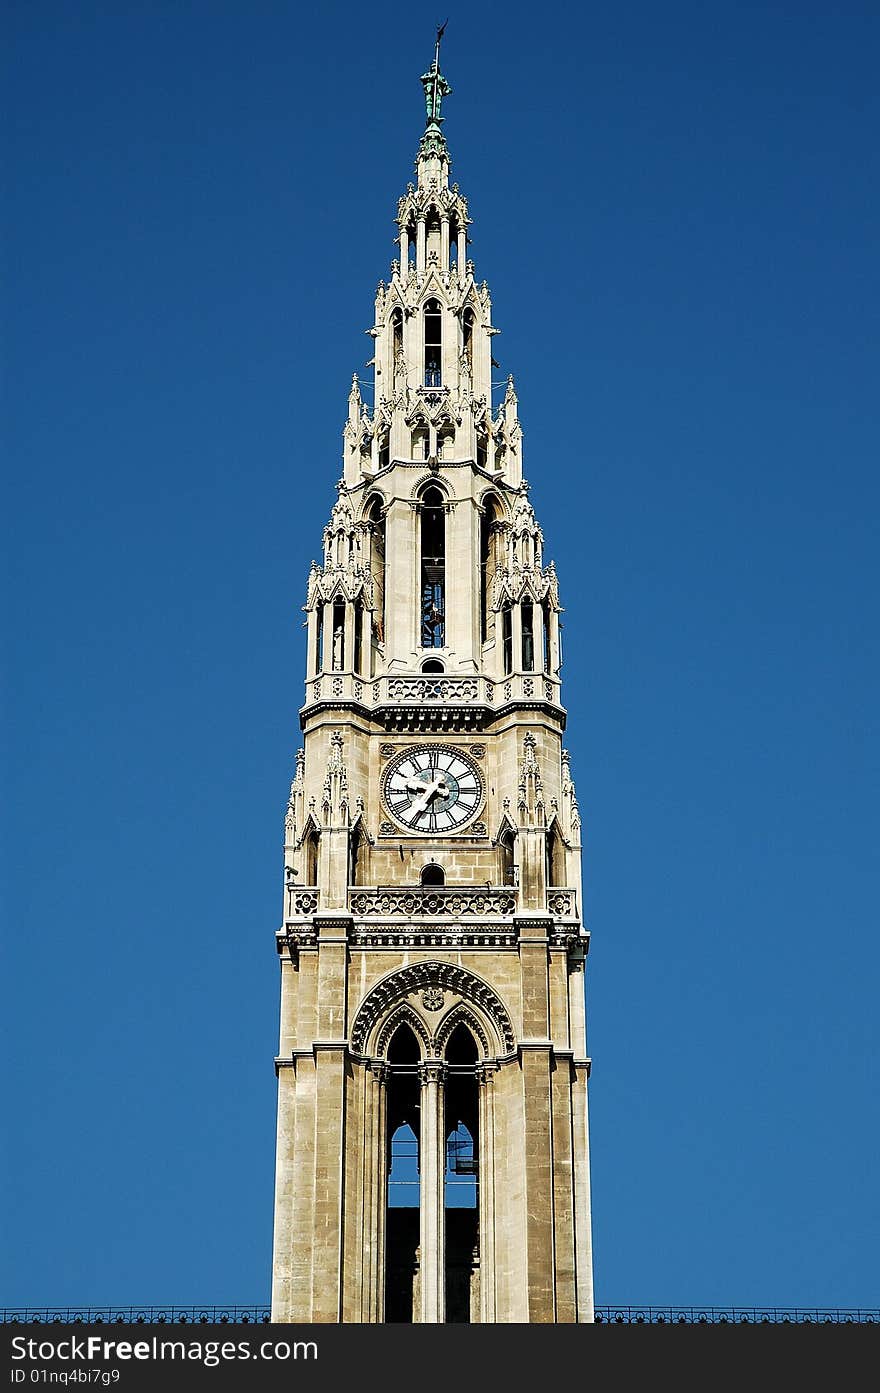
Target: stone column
{"x": 516, "y": 664}
{"x": 554, "y": 643}
{"x": 431, "y": 1196}
{"x": 375, "y": 1194}
{"x": 538, "y": 638}
{"x": 313, "y": 657}
{"x": 348, "y": 647}
{"x": 420, "y": 246}
{"x": 327, "y": 638}
{"x": 404, "y": 252}
{"x": 486, "y": 1192}
{"x": 462, "y": 254}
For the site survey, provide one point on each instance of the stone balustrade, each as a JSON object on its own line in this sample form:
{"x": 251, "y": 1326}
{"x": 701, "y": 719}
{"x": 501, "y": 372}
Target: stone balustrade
{"x": 430, "y": 901}
{"x": 434, "y": 901}
{"x": 440, "y": 689}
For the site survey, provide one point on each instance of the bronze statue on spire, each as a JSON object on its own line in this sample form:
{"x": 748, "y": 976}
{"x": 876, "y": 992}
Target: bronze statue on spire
{"x": 435, "y": 84}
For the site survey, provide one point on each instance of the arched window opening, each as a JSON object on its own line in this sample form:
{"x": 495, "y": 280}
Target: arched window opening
{"x": 402, "y": 1171}
{"x": 411, "y": 246}
{"x": 508, "y": 863}
{"x": 432, "y": 874}
{"x": 420, "y": 442}
{"x": 555, "y": 858}
{"x": 404, "y": 1047}
{"x": 488, "y": 565}
{"x": 467, "y": 331}
{"x": 338, "y": 635}
{"x": 433, "y": 589}
{"x": 356, "y": 848}
{"x": 377, "y": 571}
{"x": 482, "y": 450}
{"x": 384, "y": 452}
{"x": 528, "y": 636}
{"x": 507, "y": 638}
{"x": 310, "y": 859}
{"x": 396, "y": 334}
{"x": 461, "y": 1180}
{"x": 433, "y": 665}
{"x": 445, "y": 444}
{"x": 433, "y": 318}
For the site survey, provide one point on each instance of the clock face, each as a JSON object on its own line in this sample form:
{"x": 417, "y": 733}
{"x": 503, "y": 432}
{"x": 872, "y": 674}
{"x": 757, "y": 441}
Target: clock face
{"x": 432, "y": 789}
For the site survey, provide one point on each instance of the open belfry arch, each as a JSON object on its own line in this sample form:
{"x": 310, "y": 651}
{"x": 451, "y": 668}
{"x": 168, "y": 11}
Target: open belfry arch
{"x": 432, "y": 1157}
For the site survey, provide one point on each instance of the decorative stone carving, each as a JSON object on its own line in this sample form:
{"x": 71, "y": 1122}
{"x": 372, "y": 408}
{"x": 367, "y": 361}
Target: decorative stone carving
{"x": 446, "y": 900}
{"x": 335, "y": 791}
{"x": 417, "y": 976}
{"x": 433, "y": 689}
{"x": 433, "y": 998}
{"x": 304, "y": 901}
{"x": 531, "y": 786}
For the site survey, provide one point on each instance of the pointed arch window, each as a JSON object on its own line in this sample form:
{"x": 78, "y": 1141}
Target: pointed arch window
{"x": 403, "y": 1185}
{"x": 310, "y": 858}
{"x": 433, "y": 591}
{"x": 461, "y": 1179}
{"x": 488, "y": 532}
{"x": 507, "y": 638}
{"x": 467, "y": 329}
{"x": 527, "y": 614}
{"x": 433, "y": 320}
{"x": 377, "y": 570}
{"x": 338, "y": 635}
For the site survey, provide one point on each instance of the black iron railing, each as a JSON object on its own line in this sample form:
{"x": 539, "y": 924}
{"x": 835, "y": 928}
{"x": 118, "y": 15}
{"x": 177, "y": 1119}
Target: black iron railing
{"x": 136, "y": 1315}
{"x": 605, "y": 1315}
{"x": 732, "y": 1315}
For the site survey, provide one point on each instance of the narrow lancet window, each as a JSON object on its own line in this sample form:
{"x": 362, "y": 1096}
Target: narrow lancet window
{"x": 433, "y": 569}
{"x": 377, "y": 571}
{"x": 461, "y": 1180}
{"x": 528, "y": 636}
{"x": 433, "y": 343}
{"x": 507, "y": 638}
{"x": 402, "y": 1189}
{"x": 338, "y": 635}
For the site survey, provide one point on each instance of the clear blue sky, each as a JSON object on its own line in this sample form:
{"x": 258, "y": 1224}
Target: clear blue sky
{"x": 676, "y": 209}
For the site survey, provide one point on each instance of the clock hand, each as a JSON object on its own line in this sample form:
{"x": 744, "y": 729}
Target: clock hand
{"x": 428, "y": 792}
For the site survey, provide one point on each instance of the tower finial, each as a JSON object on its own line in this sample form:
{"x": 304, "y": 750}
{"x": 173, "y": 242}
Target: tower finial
{"x": 435, "y": 84}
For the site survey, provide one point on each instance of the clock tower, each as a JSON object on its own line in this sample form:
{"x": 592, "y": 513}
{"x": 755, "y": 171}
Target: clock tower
{"x": 432, "y": 1154}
